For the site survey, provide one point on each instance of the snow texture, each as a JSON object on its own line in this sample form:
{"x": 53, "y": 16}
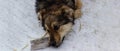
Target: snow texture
{"x": 97, "y": 30}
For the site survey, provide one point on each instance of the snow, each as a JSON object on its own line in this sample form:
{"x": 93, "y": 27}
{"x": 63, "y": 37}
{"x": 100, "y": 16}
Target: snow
{"x": 97, "y": 30}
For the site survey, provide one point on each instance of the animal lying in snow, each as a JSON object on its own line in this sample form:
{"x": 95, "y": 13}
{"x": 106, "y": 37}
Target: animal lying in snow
{"x": 57, "y": 17}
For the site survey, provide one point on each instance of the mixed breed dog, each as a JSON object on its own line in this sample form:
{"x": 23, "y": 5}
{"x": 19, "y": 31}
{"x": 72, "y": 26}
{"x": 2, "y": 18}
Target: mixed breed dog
{"x": 57, "y": 17}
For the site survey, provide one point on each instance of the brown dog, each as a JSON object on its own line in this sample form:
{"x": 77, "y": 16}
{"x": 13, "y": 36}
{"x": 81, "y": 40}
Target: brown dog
{"x": 58, "y": 17}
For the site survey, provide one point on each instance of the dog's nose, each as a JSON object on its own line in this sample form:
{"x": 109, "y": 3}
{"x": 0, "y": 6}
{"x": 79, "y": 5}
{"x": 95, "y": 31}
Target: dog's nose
{"x": 53, "y": 43}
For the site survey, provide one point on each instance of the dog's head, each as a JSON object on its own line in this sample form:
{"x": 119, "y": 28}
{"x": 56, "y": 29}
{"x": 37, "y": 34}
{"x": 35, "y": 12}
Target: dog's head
{"x": 58, "y": 23}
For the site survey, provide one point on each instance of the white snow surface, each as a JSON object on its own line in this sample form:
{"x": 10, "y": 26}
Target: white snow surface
{"x": 97, "y": 30}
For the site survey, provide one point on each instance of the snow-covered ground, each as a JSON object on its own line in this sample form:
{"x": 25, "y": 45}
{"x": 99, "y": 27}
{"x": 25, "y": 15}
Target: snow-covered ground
{"x": 97, "y": 30}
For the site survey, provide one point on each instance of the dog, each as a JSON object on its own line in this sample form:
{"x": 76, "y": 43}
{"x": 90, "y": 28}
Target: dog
{"x": 57, "y": 17}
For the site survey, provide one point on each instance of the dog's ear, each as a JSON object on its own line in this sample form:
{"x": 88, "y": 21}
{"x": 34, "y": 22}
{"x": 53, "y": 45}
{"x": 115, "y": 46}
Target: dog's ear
{"x": 40, "y": 14}
{"x": 68, "y": 12}
{"x": 68, "y": 15}
{"x": 78, "y": 6}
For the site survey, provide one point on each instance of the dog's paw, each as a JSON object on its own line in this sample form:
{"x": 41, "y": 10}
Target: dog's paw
{"x": 38, "y": 44}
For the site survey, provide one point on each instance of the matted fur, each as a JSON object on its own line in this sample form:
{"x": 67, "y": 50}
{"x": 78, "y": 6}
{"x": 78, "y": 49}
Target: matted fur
{"x": 58, "y": 17}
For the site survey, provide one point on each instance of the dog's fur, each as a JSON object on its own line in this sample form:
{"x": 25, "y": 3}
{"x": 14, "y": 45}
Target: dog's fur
{"x": 58, "y": 17}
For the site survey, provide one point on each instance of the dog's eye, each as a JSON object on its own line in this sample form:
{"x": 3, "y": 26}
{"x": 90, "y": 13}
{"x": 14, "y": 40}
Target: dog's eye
{"x": 48, "y": 30}
{"x": 56, "y": 27}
